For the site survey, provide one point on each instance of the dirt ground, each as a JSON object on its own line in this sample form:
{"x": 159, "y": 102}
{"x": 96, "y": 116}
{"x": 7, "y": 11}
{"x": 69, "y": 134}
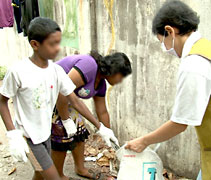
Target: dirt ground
{"x": 24, "y": 171}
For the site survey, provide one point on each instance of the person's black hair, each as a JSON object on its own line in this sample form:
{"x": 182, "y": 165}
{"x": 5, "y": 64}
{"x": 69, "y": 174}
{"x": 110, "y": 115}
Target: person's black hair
{"x": 40, "y": 28}
{"x": 176, "y": 14}
{"x": 112, "y": 64}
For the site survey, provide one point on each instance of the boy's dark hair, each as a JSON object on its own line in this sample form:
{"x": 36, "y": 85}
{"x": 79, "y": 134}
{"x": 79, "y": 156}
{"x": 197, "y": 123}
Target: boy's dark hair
{"x": 112, "y": 64}
{"x": 40, "y": 28}
{"x": 176, "y": 14}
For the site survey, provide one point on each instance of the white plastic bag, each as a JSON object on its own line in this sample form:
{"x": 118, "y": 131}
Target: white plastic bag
{"x": 139, "y": 166}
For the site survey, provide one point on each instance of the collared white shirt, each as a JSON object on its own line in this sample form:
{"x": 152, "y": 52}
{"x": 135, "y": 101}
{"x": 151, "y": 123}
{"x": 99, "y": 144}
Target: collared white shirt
{"x": 193, "y": 86}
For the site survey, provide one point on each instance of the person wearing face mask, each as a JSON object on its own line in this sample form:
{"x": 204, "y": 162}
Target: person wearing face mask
{"x": 175, "y": 25}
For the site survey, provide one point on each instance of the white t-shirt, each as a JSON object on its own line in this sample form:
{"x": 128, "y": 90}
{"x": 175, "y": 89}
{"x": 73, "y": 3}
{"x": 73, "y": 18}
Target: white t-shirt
{"x": 193, "y": 86}
{"x": 34, "y": 91}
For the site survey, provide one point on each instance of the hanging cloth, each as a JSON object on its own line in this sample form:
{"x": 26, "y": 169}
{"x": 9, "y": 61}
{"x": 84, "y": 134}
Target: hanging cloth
{"x": 6, "y": 13}
{"x": 29, "y": 10}
{"x": 17, "y": 13}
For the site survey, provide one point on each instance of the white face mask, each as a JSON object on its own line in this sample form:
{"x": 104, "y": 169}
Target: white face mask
{"x": 170, "y": 51}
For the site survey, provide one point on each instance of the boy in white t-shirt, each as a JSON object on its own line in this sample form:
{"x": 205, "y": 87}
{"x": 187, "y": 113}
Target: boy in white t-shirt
{"x": 34, "y": 85}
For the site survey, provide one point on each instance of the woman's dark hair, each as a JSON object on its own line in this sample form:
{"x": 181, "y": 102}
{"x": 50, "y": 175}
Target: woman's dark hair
{"x": 176, "y": 14}
{"x": 40, "y": 28}
{"x": 112, "y": 64}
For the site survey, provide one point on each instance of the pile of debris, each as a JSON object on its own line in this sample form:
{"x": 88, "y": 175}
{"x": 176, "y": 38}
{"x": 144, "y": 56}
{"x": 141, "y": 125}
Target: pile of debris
{"x": 104, "y": 156}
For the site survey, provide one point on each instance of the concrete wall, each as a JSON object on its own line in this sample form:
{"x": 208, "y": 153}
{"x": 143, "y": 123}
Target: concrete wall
{"x": 145, "y": 100}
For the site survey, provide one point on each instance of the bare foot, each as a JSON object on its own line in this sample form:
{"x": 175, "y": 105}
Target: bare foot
{"x": 85, "y": 173}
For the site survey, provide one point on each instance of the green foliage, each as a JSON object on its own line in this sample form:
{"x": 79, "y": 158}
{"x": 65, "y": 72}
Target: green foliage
{"x": 3, "y": 71}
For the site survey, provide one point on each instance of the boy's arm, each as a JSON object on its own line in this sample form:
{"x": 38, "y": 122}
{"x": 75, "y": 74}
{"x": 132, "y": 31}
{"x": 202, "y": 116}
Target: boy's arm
{"x": 5, "y": 113}
{"x": 106, "y": 133}
{"x": 163, "y": 133}
{"x": 62, "y": 107}
{"x": 83, "y": 110}
{"x": 17, "y": 144}
{"x": 62, "y": 102}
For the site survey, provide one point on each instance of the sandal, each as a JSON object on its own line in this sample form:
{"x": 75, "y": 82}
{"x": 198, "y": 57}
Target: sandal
{"x": 95, "y": 176}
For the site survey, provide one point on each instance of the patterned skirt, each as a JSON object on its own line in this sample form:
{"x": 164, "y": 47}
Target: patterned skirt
{"x": 59, "y": 139}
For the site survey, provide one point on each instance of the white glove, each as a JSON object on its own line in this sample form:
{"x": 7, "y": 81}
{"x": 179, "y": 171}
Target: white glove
{"x": 69, "y": 126}
{"x": 17, "y": 145}
{"x": 107, "y": 135}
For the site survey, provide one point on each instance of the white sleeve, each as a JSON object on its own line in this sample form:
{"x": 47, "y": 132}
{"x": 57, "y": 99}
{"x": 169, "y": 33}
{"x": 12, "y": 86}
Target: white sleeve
{"x": 66, "y": 84}
{"x": 192, "y": 98}
{"x": 10, "y": 84}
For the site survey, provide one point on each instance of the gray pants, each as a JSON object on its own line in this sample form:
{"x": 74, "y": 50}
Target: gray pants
{"x": 40, "y": 154}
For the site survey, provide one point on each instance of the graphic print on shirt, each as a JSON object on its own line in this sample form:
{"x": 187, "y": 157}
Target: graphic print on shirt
{"x": 39, "y": 97}
{"x": 83, "y": 92}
